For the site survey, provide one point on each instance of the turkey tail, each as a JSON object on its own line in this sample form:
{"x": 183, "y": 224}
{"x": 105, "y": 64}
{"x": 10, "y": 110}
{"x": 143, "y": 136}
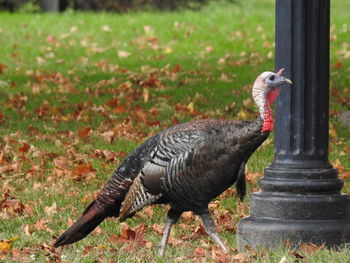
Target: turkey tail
{"x": 89, "y": 220}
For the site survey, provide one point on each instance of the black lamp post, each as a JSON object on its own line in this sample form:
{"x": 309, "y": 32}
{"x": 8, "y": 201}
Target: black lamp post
{"x": 300, "y": 199}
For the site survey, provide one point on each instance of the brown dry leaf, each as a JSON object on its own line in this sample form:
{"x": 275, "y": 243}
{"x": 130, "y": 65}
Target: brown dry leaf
{"x": 198, "y": 232}
{"x": 219, "y": 256}
{"x": 22, "y": 255}
{"x": 241, "y": 258}
{"x": 338, "y": 165}
{"x": 27, "y": 230}
{"x": 3, "y": 67}
{"x": 310, "y": 248}
{"x": 120, "y": 109}
{"x": 148, "y": 211}
{"x": 158, "y": 228}
{"x": 12, "y": 206}
{"x": 108, "y": 136}
{"x": 199, "y": 253}
{"x": 131, "y": 237}
{"x": 9, "y": 167}
{"x": 50, "y": 210}
{"x": 242, "y": 209}
{"x": 98, "y": 231}
{"x": 61, "y": 163}
{"x": 253, "y": 178}
{"x": 226, "y": 222}
{"x": 106, "y": 28}
{"x": 187, "y": 216}
{"x": 82, "y": 171}
{"x": 41, "y": 224}
{"x": 175, "y": 241}
{"x": 84, "y": 132}
{"x": 148, "y": 29}
{"x": 123, "y": 54}
{"x": 288, "y": 243}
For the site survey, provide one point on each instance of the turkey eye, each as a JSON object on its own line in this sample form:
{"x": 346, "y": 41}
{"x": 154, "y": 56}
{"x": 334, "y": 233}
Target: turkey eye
{"x": 272, "y": 77}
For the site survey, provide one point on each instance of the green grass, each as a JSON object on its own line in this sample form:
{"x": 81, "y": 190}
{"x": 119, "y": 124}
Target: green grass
{"x": 53, "y": 86}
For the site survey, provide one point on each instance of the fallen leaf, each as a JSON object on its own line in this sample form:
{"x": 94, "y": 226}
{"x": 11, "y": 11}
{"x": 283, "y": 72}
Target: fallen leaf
{"x": 61, "y": 163}
{"x": 241, "y": 258}
{"x": 3, "y": 67}
{"x": 148, "y": 29}
{"x": 6, "y": 245}
{"x": 283, "y": 260}
{"x": 41, "y": 224}
{"x": 12, "y": 206}
{"x": 199, "y": 252}
{"x": 50, "y": 210}
{"x": 123, "y": 54}
{"x": 106, "y": 28}
{"x": 310, "y": 248}
{"x": 157, "y": 228}
{"x": 84, "y": 132}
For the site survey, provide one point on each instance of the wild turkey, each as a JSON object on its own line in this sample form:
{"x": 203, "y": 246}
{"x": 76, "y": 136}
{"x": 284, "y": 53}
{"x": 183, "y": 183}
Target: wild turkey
{"x": 185, "y": 166}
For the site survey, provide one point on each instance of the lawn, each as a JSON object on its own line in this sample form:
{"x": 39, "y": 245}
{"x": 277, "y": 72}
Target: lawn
{"x": 80, "y": 91}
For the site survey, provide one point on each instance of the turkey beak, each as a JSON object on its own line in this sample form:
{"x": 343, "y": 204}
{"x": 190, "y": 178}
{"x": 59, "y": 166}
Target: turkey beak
{"x": 284, "y": 80}
{"x": 287, "y": 81}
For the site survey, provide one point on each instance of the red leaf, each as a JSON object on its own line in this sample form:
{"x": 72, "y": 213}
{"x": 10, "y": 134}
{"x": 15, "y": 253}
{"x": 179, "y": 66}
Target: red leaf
{"x": 339, "y": 64}
{"x": 113, "y": 102}
{"x": 177, "y": 68}
{"x": 84, "y": 132}
{"x": 25, "y": 148}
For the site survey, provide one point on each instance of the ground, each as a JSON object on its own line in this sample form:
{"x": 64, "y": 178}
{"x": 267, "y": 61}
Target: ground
{"x": 80, "y": 91}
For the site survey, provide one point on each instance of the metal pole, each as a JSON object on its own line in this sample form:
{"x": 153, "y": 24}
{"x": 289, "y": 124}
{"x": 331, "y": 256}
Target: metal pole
{"x": 300, "y": 199}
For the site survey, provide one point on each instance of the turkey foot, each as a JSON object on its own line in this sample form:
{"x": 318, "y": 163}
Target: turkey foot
{"x": 172, "y": 217}
{"x": 210, "y": 228}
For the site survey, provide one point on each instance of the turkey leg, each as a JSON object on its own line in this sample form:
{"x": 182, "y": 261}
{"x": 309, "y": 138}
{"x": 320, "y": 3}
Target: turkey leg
{"x": 172, "y": 217}
{"x": 210, "y": 228}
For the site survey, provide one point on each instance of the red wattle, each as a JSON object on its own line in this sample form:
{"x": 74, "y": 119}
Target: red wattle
{"x": 267, "y": 125}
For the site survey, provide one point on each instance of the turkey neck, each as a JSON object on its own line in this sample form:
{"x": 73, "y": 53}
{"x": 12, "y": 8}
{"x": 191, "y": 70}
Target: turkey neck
{"x": 242, "y": 129}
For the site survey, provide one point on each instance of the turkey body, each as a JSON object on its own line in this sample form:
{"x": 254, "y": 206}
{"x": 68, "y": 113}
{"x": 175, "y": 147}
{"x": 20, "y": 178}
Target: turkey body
{"x": 185, "y": 166}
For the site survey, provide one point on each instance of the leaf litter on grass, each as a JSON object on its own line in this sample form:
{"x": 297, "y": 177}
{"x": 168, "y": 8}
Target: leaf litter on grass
{"x": 76, "y": 100}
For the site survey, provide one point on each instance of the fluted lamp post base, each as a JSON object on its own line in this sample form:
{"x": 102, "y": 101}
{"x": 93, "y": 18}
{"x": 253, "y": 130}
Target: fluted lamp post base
{"x": 301, "y": 199}
{"x": 297, "y": 206}
{"x": 264, "y": 232}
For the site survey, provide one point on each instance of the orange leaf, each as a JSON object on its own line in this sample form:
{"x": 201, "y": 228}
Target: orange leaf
{"x": 6, "y": 245}
{"x": 83, "y": 169}
{"x": 120, "y": 109}
{"x": 310, "y": 248}
{"x": 3, "y": 67}
{"x": 84, "y": 132}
